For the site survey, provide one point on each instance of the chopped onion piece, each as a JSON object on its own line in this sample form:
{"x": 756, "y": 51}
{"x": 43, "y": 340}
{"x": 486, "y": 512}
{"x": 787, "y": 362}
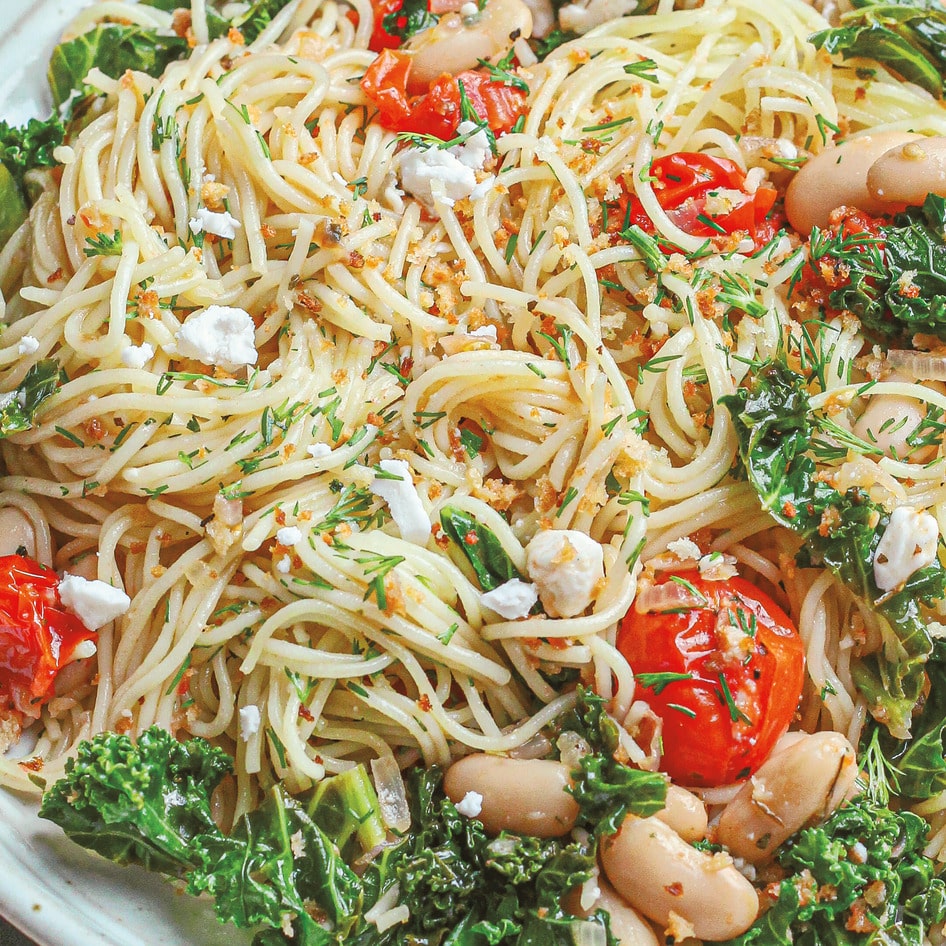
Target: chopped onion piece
{"x": 922, "y": 365}
{"x": 589, "y": 933}
{"x": 389, "y": 784}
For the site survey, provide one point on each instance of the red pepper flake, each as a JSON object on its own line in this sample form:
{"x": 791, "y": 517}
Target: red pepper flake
{"x": 471, "y": 538}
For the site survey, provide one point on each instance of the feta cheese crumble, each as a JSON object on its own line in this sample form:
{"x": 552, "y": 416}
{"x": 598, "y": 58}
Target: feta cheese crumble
{"x": 219, "y": 224}
{"x": 288, "y": 536}
{"x": 284, "y": 565}
{"x": 137, "y": 356}
{"x": 907, "y": 545}
{"x": 566, "y": 566}
{"x": 512, "y": 599}
{"x": 318, "y": 451}
{"x": 685, "y": 549}
{"x": 455, "y": 168}
{"x": 470, "y": 805}
{"x": 218, "y": 335}
{"x": 250, "y": 718}
{"x": 95, "y": 603}
{"x": 396, "y": 488}
{"x": 28, "y": 345}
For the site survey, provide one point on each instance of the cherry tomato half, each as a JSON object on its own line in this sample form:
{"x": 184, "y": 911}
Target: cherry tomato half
{"x": 37, "y": 637}
{"x": 724, "y": 674}
{"x": 437, "y": 111}
{"x": 704, "y": 196}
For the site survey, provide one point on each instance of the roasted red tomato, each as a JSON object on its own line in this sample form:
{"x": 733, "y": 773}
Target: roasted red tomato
{"x": 437, "y": 111}
{"x": 37, "y": 637}
{"x": 704, "y": 196}
{"x": 722, "y": 665}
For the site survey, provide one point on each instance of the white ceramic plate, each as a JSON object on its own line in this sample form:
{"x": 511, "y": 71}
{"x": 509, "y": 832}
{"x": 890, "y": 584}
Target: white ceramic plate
{"x": 50, "y": 888}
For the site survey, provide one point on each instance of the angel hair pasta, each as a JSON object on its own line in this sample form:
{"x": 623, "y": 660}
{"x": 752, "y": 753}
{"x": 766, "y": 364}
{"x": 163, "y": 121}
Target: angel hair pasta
{"x": 385, "y": 385}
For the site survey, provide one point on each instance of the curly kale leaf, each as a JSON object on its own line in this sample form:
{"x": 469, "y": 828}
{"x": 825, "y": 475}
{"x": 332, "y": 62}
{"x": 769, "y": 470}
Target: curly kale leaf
{"x": 148, "y": 803}
{"x": 606, "y": 790}
{"x": 142, "y": 803}
{"x": 908, "y": 36}
{"x": 19, "y": 407}
{"x": 478, "y": 890}
{"x": 30, "y": 146}
{"x": 915, "y": 254}
{"x": 860, "y": 879}
{"x": 841, "y": 531}
{"x": 277, "y": 863}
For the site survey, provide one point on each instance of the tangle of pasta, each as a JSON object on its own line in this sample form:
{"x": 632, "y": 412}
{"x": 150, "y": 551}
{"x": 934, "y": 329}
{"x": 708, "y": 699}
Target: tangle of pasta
{"x": 514, "y": 353}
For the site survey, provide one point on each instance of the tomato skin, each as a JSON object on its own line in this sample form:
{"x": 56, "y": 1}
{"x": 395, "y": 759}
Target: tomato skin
{"x": 685, "y": 181}
{"x": 437, "y": 111}
{"x": 37, "y": 637}
{"x": 703, "y": 745}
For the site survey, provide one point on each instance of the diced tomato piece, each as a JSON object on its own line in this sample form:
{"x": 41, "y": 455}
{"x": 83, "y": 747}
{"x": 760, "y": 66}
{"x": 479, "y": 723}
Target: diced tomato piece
{"x": 437, "y": 111}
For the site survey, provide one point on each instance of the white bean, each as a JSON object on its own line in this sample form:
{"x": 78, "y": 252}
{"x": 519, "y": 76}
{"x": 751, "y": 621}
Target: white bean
{"x": 459, "y": 42}
{"x": 685, "y": 813}
{"x": 798, "y": 786}
{"x": 16, "y": 532}
{"x": 627, "y": 926}
{"x": 525, "y": 796}
{"x": 659, "y": 874}
{"x": 837, "y": 177}
{"x": 907, "y": 173}
{"x": 886, "y": 423}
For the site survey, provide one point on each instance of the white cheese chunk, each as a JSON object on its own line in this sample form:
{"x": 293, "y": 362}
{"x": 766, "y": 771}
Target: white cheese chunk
{"x": 567, "y": 567}
{"x": 250, "y": 719}
{"x": 455, "y": 168}
{"x": 288, "y": 536}
{"x": 318, "y": 451}
{"x": 470, "y": 805}
{"x": 284, "y": 565}
{"x": 219, "y": 224}
{"x": 137, "y": 356}
{"x": 28, "y": 345}
{"x": 396, "y": 488}
{"x": 94, "y": 603}
{"x": 907, "y": 545}
{"x": 218, "y": 335}
{"x": 512, "y": 599}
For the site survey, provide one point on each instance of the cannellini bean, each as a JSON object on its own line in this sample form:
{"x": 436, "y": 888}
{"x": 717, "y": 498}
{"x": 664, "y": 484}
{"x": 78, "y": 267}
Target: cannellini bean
{"x": 16, "y": 532}
{"x": 797, "y": 786}
{"x": 907, "y": 173}
{"x": 888, "y": 420}
{"x": 525, "y": 796}
{"x": 543, "y": 17}
{"x": 459, "y": 42}
{"x": 628, "y": 927}
{"x": 685, "y": 813}
{"x": 659, "y": 874}
{"x": 837, "y": 177}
